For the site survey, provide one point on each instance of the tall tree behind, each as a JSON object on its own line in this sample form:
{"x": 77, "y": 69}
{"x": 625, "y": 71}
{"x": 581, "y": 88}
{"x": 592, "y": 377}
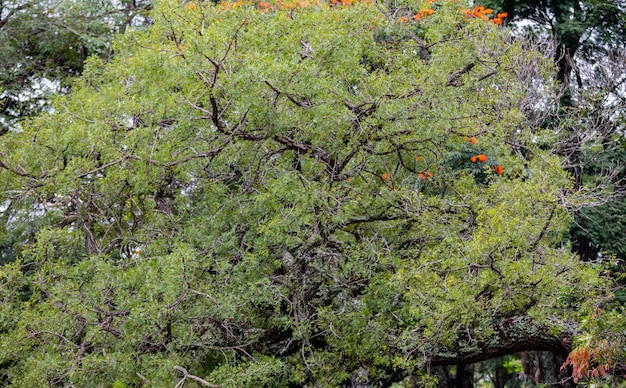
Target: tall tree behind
{"x": 44, "y": 43}
{"x": 590, "y": 41}
{"x": 584, "y": 27}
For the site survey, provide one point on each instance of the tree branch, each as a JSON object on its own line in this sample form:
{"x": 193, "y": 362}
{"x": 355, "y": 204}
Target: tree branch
{"x": 197, "y": 379}
{"x": 515, "y": 334}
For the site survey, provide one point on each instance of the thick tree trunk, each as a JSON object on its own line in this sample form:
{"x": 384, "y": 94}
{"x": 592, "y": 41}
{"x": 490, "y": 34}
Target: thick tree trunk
{"x": 545, "y": 368}
{"x": 501, "y": 376}
{"x": 551, "y": 373}
{"x": 464, "y": 376}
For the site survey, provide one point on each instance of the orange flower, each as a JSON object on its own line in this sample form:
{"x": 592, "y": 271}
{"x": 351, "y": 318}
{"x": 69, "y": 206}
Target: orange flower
{"x": 426, "y": 11}
{"x": 502, "y": 15}
{"x": 263, "y": 5}
{"x": 488, "y": 11}
{"x": 471, "y": 140}
{"x": 386, "y": 177}
{"x": 473, "y": 159}
{"x": 191, "y": 6}
{"x": 419, "y": 159}
{"x": 498, "y": 169}
{"x": 497, "y": 21}
{"x": 417, "y": 16}
{"x": 404, "y": 20}
{"x": 425, "y": 175}
{"x": 482, "y": 158}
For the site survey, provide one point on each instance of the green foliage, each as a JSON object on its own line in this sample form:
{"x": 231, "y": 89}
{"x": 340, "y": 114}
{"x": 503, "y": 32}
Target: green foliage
{"x": 44, "y": 44}
{"x": 242, "y": 195}
{"x": 591, "y": 37}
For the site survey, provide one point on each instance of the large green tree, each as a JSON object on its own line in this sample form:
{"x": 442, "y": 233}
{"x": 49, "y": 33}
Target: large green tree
{"x": 257, "y": 194}
{"x": 589, "y": 49}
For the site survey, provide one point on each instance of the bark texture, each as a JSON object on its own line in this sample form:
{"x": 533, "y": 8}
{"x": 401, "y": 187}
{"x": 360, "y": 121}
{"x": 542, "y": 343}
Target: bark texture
{"x": 514, "y": 335}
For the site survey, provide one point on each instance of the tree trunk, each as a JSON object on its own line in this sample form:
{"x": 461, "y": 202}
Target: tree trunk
{"x": 549, "y": 367}
{"x": 464, "y": 376}
{"x": 501, "y": 376}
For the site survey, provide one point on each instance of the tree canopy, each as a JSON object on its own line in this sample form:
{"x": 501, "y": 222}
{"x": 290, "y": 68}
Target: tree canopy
{"x": 300, "y": 193}
{"x": 44, "y": 44}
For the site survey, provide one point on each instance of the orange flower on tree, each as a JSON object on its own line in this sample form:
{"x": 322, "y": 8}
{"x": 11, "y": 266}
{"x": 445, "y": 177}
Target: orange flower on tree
{"x": 471, "y": 140}
{"x": 499, "y": 18}
{"x": 480, "y": 158}
{"x": 419, "y": 159}
{"x": 423, "y": 175}
{"x": 423, "y": 12}
{"x": 404, "y": 19}
{"x": 386, "y": 177}
{"x": 480, "y": 12}
{"x": 498, "y": 169}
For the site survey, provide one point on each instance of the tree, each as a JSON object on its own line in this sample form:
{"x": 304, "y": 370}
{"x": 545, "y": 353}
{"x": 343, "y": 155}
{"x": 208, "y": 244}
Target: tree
{"x": 590, "y": 38}
{"x": 578, "y": 26}
{"x": 257, "y": 194}
{"x": 589, "y": 50}
{"x": 44, "y": 44}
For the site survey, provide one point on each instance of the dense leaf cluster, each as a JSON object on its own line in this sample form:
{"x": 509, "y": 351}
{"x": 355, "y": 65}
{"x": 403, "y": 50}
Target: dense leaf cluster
{"x": 44, "y": 43}
{"x": 252, "y": 196}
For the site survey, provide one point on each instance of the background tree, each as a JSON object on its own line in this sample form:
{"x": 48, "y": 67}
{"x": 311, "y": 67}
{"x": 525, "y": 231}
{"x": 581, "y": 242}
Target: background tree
{"x": 589, "y": 50}
{"x": 254, "y": 194}
{"x": 585, "y": 28}
{"x": 45, "y": 43}
{"x": 590, "y": 39}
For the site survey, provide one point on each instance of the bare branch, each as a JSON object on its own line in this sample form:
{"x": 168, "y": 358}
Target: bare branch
{"x": 197, "y": 379}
